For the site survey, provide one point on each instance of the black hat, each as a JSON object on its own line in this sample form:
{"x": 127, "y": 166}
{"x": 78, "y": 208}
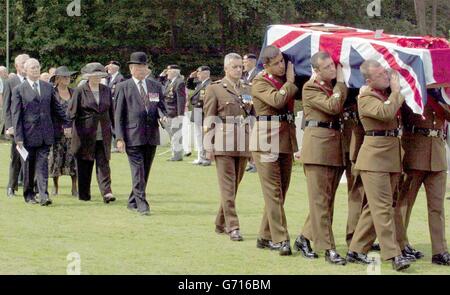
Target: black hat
{"x": 250, "y": 55}
{"x": 173, "y": 67}
{"x": 139, "y": 58}
{"x": 62, "y": 71}
{"x": 114, "y": 62}
{"x": 203, "y": 68}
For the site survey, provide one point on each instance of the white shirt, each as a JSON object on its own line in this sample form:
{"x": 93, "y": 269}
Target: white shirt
{"x": 144, "y": 84}
{"x": 22, "y": 78}
{"x": 113, "y": 76}
{"x": 32, "y": 85}
{"x": 250, "y": 73}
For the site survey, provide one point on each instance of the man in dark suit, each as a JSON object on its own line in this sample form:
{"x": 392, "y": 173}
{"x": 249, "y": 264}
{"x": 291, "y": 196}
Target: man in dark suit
{"x": 140, "y": 103}
{"x": 175, "y": 99}
{"x": 198, "y": 81}
{"x": 34, "y": 107}
{"x": 14, "y": 166}
{"x": 115, "y": 77}
{"x": 250, "y": 71}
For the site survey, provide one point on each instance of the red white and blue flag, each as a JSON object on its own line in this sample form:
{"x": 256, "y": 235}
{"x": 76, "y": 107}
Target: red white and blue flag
{"x": 417, "y": 67}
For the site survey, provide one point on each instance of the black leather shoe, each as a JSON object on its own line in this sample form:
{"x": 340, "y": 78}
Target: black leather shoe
{"x": 263, "y": 243}
{"x": 46, "y": 201}
{"x": 235, "y": 235}
{"x": 408, "y": 256}
{"x": 285, "y": 248}
{"x": 333, "y": 257}
{"x": 10, "y": 193}
{"x": 108, "y": 198}
{"x": 375, "y": 247}
{"x": 31, "y": 201}
{"x": 400, "y": 263}
{"x": 410, "y": 250}
{"x": 361, "y": 258}
{"x": 187, "y": 154}
{"x": 303, "y": 245}
{"x": 174, "y": 159}
{"x": 441, "y": 259}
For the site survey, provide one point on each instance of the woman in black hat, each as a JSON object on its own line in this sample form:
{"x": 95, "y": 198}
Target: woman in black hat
{"x": 61, "y": 160}
{"x": 91, "y": 110}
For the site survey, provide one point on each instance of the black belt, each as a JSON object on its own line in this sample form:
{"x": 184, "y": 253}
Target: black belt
{"x": 289, "y": 117}
{"x": 329, "y": 125}
{"x": 392, "y": 133}
{"x": 426, "y": 131}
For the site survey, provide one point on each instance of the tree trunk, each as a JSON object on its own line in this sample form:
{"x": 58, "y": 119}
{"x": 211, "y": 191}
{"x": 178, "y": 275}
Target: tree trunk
{"x": 433, "y": 24}
{"x": 420, "y": 8}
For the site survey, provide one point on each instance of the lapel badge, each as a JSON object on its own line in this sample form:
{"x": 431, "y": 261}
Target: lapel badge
{"x": 387, "y": 102}
{"x": 322, "y": 83}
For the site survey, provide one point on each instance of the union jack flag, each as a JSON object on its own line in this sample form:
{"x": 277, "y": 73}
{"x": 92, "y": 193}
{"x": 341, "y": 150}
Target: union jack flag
{"x": 417, "y": 67}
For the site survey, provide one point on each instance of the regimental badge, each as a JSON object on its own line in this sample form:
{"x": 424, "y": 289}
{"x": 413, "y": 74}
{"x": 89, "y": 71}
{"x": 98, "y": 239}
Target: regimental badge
{"x": 322, "y": 83}
{"x": 153, "y": 96}
{"x": 224, "y": 85}
{"x": 337, "y": 95}
{"x": 283, "y": 92}
{"x": 387, "y": 102}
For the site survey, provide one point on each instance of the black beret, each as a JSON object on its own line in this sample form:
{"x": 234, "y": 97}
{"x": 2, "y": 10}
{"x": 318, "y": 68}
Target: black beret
{"x": 203, "y": 68}
{"x": 250, "y": 55}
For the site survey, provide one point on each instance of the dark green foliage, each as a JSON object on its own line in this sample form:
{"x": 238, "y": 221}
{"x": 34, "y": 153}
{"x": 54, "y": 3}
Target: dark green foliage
{"x": 190, "y": 33}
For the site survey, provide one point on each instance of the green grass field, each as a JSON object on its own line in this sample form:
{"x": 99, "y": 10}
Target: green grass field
{"x": 178, "y": 237}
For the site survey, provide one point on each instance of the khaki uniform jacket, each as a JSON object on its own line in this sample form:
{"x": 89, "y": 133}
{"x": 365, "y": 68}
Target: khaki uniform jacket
{"x": 423, "y": 152}
{"x": 379, "y": 153}
{"x": 322, "y": 146}
{"x": 269, "y": 101}
{"x": 228, "y": 137}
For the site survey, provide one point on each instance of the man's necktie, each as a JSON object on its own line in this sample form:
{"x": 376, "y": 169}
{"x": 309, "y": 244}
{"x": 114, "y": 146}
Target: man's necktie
{"x": 143, "y": 95}
{"x": 35, "y": 88}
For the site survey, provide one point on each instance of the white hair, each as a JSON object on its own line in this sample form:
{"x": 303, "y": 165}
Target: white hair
{"x": 3, "y": 69}
{"x": 21, "y": 58}
{"x": 30, "y": 61}
{"x": 229, "y": 57}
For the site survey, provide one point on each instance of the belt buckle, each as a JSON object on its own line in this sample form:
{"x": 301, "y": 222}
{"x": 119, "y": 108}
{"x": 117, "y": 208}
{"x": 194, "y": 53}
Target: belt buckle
{"x": 290, "y": 118}
{"x": 433, "y": 133}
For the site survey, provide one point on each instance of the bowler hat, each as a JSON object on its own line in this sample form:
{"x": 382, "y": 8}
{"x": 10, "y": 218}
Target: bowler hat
{"x": 139, "y": 58}
{"x": 62, "y": 71}
{"x": 94, "y": 69}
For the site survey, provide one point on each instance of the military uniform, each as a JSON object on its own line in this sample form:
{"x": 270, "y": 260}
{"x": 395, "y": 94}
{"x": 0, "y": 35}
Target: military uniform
{"x": 227, "y": 137}
{"x": 273, "y": 101}
{"x": 323, "y": 157}
{"x": 197, "y": 100}
{"x": 379, "y": 163}
{"x": 424, "y": 163}
{"x": 175, "y": 100}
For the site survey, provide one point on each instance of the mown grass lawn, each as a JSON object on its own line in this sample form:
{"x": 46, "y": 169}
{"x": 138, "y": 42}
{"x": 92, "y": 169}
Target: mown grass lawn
{"x": 178, "y": 237}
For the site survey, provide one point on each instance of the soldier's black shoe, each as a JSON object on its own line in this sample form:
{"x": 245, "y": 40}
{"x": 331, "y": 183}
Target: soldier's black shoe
{"x": 303, "y": 245}
{"x": 333, "y": 257}
{"x": 400, "y": 263}
{"x": 408, "y": 256}
{"x": 284, "y": 248}
{"x": 441, "y": 259}
{"x": 263, "y": 243}
{"x": 375, "y": 247}
{"x": 410, "y": 250}
{"x": 187, "y": 154}
{"x": 361, "y": 258}
{"x": 235, "y": 235}
{"x": 108, "y": 198}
